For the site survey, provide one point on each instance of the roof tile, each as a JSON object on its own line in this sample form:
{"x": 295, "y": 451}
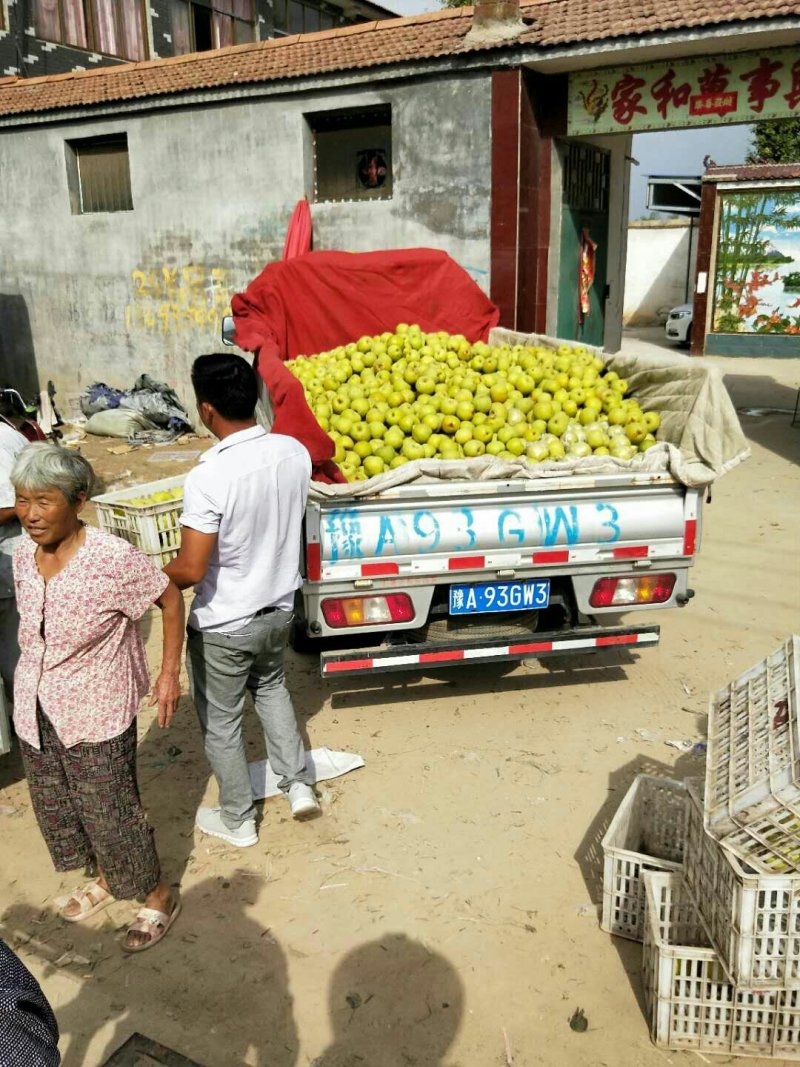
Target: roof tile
{"x": 752, "y": 172}
{"x": 549, "y": 23}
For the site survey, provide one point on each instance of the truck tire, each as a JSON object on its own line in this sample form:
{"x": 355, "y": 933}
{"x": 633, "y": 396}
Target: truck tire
{"x": 300, "y": 640}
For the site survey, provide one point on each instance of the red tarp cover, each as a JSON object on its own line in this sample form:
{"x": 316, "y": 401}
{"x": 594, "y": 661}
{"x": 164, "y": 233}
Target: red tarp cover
{"x": 318, "y": 301}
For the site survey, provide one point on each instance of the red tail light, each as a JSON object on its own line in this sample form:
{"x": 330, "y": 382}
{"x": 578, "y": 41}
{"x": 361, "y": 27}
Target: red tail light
{"x": 367, "y": 610}
{"x": 632, "y": 591}
{"x": 313, "y": 561}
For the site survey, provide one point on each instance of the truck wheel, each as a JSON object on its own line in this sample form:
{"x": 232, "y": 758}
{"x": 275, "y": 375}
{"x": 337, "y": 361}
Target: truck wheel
{"x": 301, "y": 642}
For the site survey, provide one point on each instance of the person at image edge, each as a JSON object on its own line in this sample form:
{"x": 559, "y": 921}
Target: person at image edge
{"x": 81, "y": 677}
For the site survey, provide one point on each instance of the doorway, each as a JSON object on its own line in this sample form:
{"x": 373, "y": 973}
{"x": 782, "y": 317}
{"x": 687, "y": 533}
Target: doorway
{"x": 583, "y": 261}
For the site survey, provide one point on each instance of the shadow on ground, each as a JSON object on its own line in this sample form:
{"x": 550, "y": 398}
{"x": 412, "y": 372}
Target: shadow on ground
{"x": 226, "y": 1001}
{"x": 773, "y": 430}
{"x": 589, "y": 854}
{"x": 392, "y": 1002}
{"x": 490, "y": 679}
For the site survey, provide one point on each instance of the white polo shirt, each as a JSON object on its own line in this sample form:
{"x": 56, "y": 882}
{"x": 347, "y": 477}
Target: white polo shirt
{"x": 250, "y": 490}
{"x": 11, "y": 444}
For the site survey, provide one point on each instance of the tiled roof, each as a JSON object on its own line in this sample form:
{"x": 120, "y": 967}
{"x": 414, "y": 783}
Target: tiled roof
{"x": 386, "y": 42}
{"x": 752, "y": 172}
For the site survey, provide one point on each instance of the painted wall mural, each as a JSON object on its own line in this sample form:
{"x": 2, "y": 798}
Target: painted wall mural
{"x": 757, "y": 277}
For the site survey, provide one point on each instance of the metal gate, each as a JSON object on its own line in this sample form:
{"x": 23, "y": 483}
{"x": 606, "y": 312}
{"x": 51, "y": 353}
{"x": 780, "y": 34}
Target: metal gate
{"x": 584, "y": 223}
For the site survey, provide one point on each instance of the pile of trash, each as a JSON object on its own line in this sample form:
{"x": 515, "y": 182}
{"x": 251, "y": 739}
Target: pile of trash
{"x": 149, "y": 413}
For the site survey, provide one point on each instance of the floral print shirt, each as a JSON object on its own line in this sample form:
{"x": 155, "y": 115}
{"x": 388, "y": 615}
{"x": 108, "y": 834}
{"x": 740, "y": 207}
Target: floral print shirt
{"x": 81, "y": 654}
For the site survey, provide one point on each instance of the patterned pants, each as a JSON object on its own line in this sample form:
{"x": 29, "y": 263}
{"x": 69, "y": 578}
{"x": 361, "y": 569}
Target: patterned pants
{"x": 86, "y": 801}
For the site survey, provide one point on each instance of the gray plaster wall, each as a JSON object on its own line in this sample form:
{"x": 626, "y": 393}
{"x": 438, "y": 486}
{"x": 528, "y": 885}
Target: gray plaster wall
{"x": 108, "y": 296}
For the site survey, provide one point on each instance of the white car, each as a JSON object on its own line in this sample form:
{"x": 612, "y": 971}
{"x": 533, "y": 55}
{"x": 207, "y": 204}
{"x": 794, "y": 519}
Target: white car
{"x": 679, "y": 324}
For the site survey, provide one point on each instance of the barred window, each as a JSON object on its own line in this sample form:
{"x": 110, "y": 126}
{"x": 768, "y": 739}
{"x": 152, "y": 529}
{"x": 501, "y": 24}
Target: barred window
{"x": 98, "y": 174}
{"x": 111, "y": 27}
{"x": 352, "y": 153}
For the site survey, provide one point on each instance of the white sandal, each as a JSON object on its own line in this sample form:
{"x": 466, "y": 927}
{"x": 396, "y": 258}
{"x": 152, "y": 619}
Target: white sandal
{"x": 87, "y": 900}
{"x": 152, "y": 922}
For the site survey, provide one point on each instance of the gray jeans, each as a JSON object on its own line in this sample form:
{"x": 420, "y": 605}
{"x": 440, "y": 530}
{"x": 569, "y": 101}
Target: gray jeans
{"x": 222, "y": 667}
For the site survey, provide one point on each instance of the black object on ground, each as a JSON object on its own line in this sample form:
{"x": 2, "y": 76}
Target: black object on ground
{"x": 579, "y": 1023}
{"x": 139, "y": 1050}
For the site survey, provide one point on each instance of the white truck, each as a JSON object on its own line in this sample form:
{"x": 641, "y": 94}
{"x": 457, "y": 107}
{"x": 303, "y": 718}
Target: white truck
{"x": 455, "y": 572}
{"x": 439, "y": 565}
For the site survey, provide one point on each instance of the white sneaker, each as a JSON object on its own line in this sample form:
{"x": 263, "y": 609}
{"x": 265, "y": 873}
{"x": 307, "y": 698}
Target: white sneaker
{"x": 302, "y": 800}
{"x": 209, "y": 821}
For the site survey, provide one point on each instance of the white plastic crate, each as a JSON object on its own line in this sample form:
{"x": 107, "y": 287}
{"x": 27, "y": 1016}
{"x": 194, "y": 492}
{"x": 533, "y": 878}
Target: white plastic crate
{"x": 646, "y": 833}
{"x": 690, "y": 1003}
{"x": 153, "y": 528}
{"x": 752, "y": 919}
{"x": 753, "y": 763}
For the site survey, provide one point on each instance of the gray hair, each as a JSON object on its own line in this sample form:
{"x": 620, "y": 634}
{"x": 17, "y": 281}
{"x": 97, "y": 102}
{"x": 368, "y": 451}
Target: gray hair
{"x": 45, "y": 466}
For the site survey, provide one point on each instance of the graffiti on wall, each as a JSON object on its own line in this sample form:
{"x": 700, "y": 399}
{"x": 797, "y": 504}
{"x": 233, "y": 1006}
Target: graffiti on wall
{"x": 178, "y": 299}
{"x": 757, "y": 278}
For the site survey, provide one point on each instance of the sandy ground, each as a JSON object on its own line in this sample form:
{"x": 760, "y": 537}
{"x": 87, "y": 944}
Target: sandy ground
{"x": 441, "y": 910}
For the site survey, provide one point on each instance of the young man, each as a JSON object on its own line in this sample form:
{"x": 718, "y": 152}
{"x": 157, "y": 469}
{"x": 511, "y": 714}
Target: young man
{"x": 243, "y": 507}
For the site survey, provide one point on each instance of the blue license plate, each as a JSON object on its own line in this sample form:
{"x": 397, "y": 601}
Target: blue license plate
{"x": 499, "y": 596}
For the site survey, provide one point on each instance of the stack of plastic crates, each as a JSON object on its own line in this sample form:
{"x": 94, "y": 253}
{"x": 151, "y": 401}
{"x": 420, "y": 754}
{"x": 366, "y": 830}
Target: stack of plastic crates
{"x": 722, "y": 933}
{"x": 647, "y": 833}
{"x": 154, "y": 527}
{"x": 752, "y": 801}
{"x": 690, "y": 1001}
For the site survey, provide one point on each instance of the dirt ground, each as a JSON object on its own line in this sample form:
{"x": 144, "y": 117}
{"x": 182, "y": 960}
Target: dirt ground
{"x": 442, "y": 911}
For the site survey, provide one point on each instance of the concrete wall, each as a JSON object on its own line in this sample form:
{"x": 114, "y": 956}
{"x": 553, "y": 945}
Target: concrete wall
{"x": 658, "y": 261}
{"x": 107, "y": 296}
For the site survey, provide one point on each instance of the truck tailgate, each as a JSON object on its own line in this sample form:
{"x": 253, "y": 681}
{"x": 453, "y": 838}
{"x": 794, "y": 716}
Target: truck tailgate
{"x": 453, "y": 526}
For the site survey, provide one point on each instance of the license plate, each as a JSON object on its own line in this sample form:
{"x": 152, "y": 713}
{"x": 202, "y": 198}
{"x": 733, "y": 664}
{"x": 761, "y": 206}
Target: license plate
{"x": 499, "y": 596}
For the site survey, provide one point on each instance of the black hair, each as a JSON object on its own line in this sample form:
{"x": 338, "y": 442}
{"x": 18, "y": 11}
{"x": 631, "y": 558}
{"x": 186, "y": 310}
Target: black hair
{"x": 228, "y": 383}
{"x": 10, "y": 407}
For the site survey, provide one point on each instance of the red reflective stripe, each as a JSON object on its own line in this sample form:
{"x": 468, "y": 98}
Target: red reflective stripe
{"x": 540, "y": 646}
{"x": 616, "y": 639}
{"x": 313, "y": 561}
{"x": 350, "y": 665}
{"x": 440, "y": 657}
{"x": 637, "y": 552}
{"x": 465, "y": 563}
{"x": 690, "y": 537}
{"x": 551, "y": 557}
{"x": 373, "y": 570}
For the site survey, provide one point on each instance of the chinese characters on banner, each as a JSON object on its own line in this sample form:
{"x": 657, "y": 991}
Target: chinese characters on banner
{"x": 686, "y": 92}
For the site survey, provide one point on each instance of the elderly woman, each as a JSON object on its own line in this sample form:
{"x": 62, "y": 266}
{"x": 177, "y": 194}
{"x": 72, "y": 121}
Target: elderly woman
{"x": 81, "y": 676}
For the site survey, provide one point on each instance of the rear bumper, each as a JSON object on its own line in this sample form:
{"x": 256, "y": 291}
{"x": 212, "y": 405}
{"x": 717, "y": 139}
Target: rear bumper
{"x": 495, "y": 650}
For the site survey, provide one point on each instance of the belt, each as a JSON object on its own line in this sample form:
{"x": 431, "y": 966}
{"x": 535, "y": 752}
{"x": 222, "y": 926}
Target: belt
{"x": 265, "y": 611}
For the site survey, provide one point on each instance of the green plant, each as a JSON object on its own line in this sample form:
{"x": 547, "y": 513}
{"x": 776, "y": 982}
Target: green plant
{"x": 775, "y": 141}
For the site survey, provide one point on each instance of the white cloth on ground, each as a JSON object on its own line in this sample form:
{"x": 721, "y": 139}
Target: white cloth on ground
{"x": 322, "y": 763}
